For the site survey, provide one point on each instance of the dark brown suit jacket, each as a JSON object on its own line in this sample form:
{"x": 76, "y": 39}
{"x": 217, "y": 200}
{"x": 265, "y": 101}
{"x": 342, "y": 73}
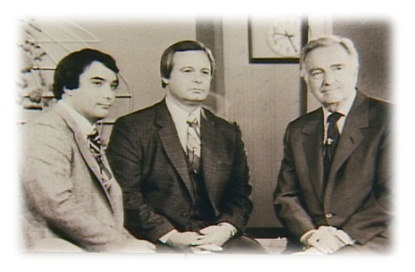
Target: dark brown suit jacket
{"x": 150, "y": 165}
{"x": 356, "y": 198}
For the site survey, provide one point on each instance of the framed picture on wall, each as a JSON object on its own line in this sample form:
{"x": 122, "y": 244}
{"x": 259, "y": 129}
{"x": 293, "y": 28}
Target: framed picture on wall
{"x": 276, "y": 39}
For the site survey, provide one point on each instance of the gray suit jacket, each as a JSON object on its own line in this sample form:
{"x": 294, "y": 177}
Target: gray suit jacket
{"x": 357, "y": 195}
{"x": 62, "y": 193}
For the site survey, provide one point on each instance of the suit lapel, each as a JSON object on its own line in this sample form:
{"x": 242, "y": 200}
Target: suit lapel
{"x": 351, "y": 136}
{"x": 171, "y": 144}
{"x": 83, "y": 147}
{"x": 312, "y": 143}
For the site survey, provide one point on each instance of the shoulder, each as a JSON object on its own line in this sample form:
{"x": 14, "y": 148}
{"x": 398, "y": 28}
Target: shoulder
{"x": 49, "y": 131}
{"x": 220, "y": 123}
{"x": 144, "y": 114}
{"x": 378, "y": 112}
{"x": 379, "y": 106}
{"x": 50, "y": 122}
{"x": 300, "y": 122}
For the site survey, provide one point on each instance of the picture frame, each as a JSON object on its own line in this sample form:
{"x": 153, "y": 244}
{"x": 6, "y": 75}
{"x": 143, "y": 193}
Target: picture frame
{"x": 278, "y": 39}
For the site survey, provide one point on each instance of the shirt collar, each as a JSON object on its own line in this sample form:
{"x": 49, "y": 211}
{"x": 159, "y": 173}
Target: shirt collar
{"x": 178, "y": 113}
{"x": 84, "y": 125}
{"x": 344, "y": 108}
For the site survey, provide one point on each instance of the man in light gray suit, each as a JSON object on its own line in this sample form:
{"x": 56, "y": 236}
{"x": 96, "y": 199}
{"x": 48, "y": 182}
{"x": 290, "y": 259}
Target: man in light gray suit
{"x": 72, "y": 202}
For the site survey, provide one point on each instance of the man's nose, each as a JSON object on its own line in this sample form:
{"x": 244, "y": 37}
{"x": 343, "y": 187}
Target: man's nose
{"x": 109, "y": 93}
{"x": 328, "y": 78}
{"x": 198, "y": 78}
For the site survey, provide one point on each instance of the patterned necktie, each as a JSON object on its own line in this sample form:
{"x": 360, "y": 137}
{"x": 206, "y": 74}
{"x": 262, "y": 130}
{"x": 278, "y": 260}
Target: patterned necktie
{"x": 332, "y": 139}
{"x": 94, "y": 141}
{"x": 193, "y": 143}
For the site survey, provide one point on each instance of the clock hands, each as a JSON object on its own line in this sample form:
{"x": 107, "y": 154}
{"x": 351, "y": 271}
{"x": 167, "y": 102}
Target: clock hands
{"x": 291, "y": 41}
{"x": 285, "y": 35}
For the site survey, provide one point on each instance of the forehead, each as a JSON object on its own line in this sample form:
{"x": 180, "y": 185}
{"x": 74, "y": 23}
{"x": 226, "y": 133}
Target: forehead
{"x": 327, "y": 56}
{"x": 191, "y": 58}
{"x": 98, "y": 70}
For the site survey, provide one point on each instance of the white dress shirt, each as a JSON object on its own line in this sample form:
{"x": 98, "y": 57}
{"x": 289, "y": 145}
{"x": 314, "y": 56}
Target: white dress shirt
{"x": 180, "y": 117}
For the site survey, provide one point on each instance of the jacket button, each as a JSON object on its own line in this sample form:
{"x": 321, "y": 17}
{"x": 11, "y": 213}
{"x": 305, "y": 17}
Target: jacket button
{"x": 184, "y": 214}
{"x": 329, "y": 215}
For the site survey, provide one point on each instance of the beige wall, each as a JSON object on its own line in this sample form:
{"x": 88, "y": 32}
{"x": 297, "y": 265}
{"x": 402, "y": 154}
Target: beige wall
{"x": 262, "y": 98}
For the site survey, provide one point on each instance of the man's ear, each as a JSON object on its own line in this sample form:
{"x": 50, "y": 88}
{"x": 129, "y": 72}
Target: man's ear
{"x": 67, "y": 91}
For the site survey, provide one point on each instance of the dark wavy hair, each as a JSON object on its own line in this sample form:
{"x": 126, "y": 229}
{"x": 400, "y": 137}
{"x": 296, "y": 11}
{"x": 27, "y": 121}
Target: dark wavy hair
{"x": 70, "y": 68}
{"x": 166, "y": 62}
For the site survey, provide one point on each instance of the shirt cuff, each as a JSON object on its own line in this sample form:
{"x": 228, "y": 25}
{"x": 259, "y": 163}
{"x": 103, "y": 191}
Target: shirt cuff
{"x": 344, "y": 237}
{"x": 232, "y": 229}
{"x": 166, "y": 236}
{"x": 304, "y": 238}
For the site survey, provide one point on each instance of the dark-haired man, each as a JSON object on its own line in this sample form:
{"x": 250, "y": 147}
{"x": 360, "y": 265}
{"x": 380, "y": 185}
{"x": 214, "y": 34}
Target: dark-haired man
{"x": 72, "y": 201}
{"x": 183, "y": 170}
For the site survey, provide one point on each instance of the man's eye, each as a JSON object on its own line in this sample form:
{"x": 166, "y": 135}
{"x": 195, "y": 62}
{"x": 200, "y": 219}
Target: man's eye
{"x": 206, "y": 72}
{"x": 97, "y": 83}
{"x": 316, "y": 74}
{"x": 114, "y": 86}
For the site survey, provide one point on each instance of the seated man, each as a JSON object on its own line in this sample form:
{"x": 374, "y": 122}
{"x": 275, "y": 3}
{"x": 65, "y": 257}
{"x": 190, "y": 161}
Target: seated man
{"x": 72, "y": 201}
{"x": 333, "y": 188}
{"x": 183, "y": 170}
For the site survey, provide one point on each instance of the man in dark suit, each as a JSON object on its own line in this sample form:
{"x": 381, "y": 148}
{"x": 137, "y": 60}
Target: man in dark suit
{"x": 72, "y": 201}
{"x": 183, "y": 170}
{"x": 333, "y": 188}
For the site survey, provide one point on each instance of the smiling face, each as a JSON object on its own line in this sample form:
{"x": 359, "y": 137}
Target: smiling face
{"x": 189, "y": 81}
{"x": 96, "y": 92}
{"x": 331, "y": 75}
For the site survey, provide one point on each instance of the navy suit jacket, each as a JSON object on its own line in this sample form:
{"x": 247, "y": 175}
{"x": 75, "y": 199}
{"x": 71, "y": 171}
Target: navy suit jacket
{"x": 150, "y": 164}
{"x": 356, "y": 197}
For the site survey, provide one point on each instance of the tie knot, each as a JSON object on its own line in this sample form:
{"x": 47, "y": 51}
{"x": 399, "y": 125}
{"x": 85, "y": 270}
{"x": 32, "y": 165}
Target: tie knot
{"x": 334, "y": 117}
{"x": 94, "y": 137}
{"x": 192, "y": 120}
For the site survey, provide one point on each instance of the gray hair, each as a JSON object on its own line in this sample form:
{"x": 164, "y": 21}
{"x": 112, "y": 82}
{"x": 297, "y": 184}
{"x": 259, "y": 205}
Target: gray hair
{"x": 326, "y": 41}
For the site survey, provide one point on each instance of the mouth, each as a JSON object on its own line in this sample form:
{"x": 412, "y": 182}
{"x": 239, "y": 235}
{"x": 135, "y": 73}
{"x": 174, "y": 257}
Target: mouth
{"x": 196, "y": 90}
{"x": 105, "y": 106}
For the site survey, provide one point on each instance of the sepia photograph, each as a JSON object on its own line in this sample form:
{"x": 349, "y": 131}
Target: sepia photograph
{"x": 208, "y": 137}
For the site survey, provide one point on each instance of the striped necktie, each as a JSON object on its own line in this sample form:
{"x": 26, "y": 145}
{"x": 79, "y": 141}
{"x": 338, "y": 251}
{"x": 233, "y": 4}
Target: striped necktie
{"x": 94, "y": 141}
{"x": 193, "y": 143}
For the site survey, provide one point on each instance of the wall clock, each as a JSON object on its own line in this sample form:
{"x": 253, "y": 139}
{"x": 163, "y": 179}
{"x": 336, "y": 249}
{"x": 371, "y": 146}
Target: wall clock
{"x": 277, "y": 40}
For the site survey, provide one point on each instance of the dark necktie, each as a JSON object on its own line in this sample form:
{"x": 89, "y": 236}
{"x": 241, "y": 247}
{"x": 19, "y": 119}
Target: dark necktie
{"x": 94, "y": 141}
{"x": 332, "y": 139}
{"x": 193, "y": 143}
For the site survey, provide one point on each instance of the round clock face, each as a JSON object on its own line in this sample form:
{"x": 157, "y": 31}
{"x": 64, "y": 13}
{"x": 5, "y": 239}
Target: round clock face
{"x": 284, "y": 36}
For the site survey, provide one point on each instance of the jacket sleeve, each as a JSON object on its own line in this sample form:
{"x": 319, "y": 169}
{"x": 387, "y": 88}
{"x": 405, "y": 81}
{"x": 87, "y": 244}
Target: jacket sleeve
{"x": 288, "y": 202}
{"x": 236, "y": 202}
{"x": 373, "y": 217}
{"x": 49, "y": 190}
{"x": 126, "y": 157}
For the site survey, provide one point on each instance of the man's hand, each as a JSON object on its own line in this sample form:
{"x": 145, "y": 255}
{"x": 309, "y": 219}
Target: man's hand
{"x": 325, "y": 240}
{"x": 183, "y": 239}
{"x": 213, "y": 235}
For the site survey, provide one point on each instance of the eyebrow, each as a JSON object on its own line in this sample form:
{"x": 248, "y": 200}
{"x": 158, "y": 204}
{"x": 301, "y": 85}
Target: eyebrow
{"x": 98, "y": 78}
